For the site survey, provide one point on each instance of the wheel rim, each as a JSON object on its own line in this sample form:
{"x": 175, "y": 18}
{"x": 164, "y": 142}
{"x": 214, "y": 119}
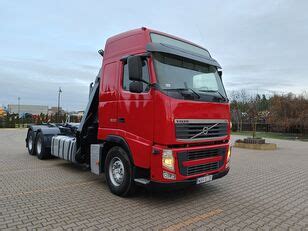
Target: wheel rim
{"x": 39, "y": 146}
{"x": 30, "y": 143}
{"x": 116, "y": 171}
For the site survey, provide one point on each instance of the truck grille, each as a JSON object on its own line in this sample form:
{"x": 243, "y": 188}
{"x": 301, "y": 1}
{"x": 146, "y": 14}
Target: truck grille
{"x": 200, "y": 129}
{"x": 202, "y": 168}
{"x": 201, "y": 154}
{"x": 193, "y": 155}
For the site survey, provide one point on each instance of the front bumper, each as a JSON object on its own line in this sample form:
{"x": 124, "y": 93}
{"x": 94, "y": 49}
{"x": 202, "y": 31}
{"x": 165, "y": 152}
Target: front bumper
{"x": 181, "y": 184}
{"x": 190, "y": 162}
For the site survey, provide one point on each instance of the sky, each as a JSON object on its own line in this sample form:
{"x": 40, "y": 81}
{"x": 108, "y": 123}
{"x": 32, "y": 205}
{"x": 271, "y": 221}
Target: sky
{"x": 262, "y": 46}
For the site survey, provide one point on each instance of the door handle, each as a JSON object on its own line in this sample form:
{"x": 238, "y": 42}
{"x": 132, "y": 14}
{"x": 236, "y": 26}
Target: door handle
{"x": 121, "y": 120}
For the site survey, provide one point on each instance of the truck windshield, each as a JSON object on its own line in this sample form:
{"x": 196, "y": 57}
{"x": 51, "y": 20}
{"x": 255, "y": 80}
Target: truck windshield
{"x": 187, "y": 79}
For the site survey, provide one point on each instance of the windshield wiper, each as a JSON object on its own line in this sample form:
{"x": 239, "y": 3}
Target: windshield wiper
{"x": 193, "y": 91}
{"x": 214, "y": 91}
{"x": 185, "y": 89}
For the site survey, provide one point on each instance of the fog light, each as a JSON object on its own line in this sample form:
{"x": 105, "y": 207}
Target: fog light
{"x": 169, "y": 176}
{"x": 168, "y": 159}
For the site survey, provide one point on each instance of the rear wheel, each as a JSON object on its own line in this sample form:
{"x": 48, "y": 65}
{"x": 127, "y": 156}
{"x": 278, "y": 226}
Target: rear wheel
{"x": 119, "y": 172}
{"x": 41, "y": 151}
{"x": 30, "y": 143}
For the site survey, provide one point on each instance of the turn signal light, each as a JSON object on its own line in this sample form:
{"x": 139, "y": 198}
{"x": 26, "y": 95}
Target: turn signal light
{"x": 169, "y": 176}
{"x": 228, "y": 157}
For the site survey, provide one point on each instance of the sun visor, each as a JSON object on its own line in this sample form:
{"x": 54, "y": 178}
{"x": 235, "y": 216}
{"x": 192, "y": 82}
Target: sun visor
{"x": 174, "y": 50}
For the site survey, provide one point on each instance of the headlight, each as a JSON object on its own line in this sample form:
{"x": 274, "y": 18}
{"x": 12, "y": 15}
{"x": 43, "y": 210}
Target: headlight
{"x": 168, "y": 159}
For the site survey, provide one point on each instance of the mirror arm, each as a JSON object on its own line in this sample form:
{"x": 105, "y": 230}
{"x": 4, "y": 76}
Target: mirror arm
{"x": 151, "y": 85}
{"x": 146, "y": 82}
{"x": 144, "y": 55}
{"x": 220, "y": 74}
{"x": 154, "y": 85}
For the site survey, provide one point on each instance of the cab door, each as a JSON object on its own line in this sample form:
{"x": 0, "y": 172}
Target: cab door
{"x": 135, "y": 116}
{"x": 108, "y": 100}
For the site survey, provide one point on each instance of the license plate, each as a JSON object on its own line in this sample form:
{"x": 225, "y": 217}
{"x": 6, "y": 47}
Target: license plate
{"x": 204, "y": 179}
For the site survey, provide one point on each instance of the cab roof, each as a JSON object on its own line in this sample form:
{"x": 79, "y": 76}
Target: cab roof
{"x": 133, "y": 42}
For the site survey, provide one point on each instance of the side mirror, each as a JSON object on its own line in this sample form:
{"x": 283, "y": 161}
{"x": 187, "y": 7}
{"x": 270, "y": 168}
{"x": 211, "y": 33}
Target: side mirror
{"x": 136, "y": 87}
{"x": 220, "y": 74}
{"x": 134, "y": 68}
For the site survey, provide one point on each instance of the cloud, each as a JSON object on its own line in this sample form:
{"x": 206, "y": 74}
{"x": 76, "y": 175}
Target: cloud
{"x": 45, "y": 45}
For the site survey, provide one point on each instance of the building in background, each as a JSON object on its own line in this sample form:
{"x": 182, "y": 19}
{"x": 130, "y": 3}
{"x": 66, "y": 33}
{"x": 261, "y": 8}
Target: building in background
{"x": 54, "y": 111}
{"x": 78, "y": 114}
{"x": 30, "y": 109}
{"x": 2, "y": 112}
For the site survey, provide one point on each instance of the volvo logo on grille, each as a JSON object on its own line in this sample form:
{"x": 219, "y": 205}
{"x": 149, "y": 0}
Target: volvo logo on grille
{"x": 205, "y": 131}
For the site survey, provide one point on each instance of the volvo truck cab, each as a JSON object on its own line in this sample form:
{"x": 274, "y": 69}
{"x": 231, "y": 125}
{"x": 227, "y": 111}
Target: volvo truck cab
{"x": 158, "y": 115}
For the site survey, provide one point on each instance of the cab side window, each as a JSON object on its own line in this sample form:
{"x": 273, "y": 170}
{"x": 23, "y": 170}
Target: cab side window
{"x": 145, "y": 76}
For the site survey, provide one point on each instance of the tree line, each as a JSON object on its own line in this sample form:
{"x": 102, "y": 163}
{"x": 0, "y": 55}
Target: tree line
{"x": 287, "y": 113}
{"x": 14, "y": 120}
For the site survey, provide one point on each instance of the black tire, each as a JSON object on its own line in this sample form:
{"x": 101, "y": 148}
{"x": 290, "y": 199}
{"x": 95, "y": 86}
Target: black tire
{"x": 40, "y": 147}
{"x": 126, "y": 186}
{"x": 30, "y": 143}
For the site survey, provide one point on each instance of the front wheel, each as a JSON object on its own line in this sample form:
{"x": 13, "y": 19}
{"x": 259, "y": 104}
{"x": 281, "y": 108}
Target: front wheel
{"x": 119, "y": 172}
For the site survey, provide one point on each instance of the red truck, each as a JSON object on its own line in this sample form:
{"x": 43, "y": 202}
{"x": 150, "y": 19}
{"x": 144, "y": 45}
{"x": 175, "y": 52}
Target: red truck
{"x": 158, "y": 115}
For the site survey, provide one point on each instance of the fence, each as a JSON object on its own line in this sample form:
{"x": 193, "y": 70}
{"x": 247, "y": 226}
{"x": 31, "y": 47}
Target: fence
{"x": 262, "y": 127}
